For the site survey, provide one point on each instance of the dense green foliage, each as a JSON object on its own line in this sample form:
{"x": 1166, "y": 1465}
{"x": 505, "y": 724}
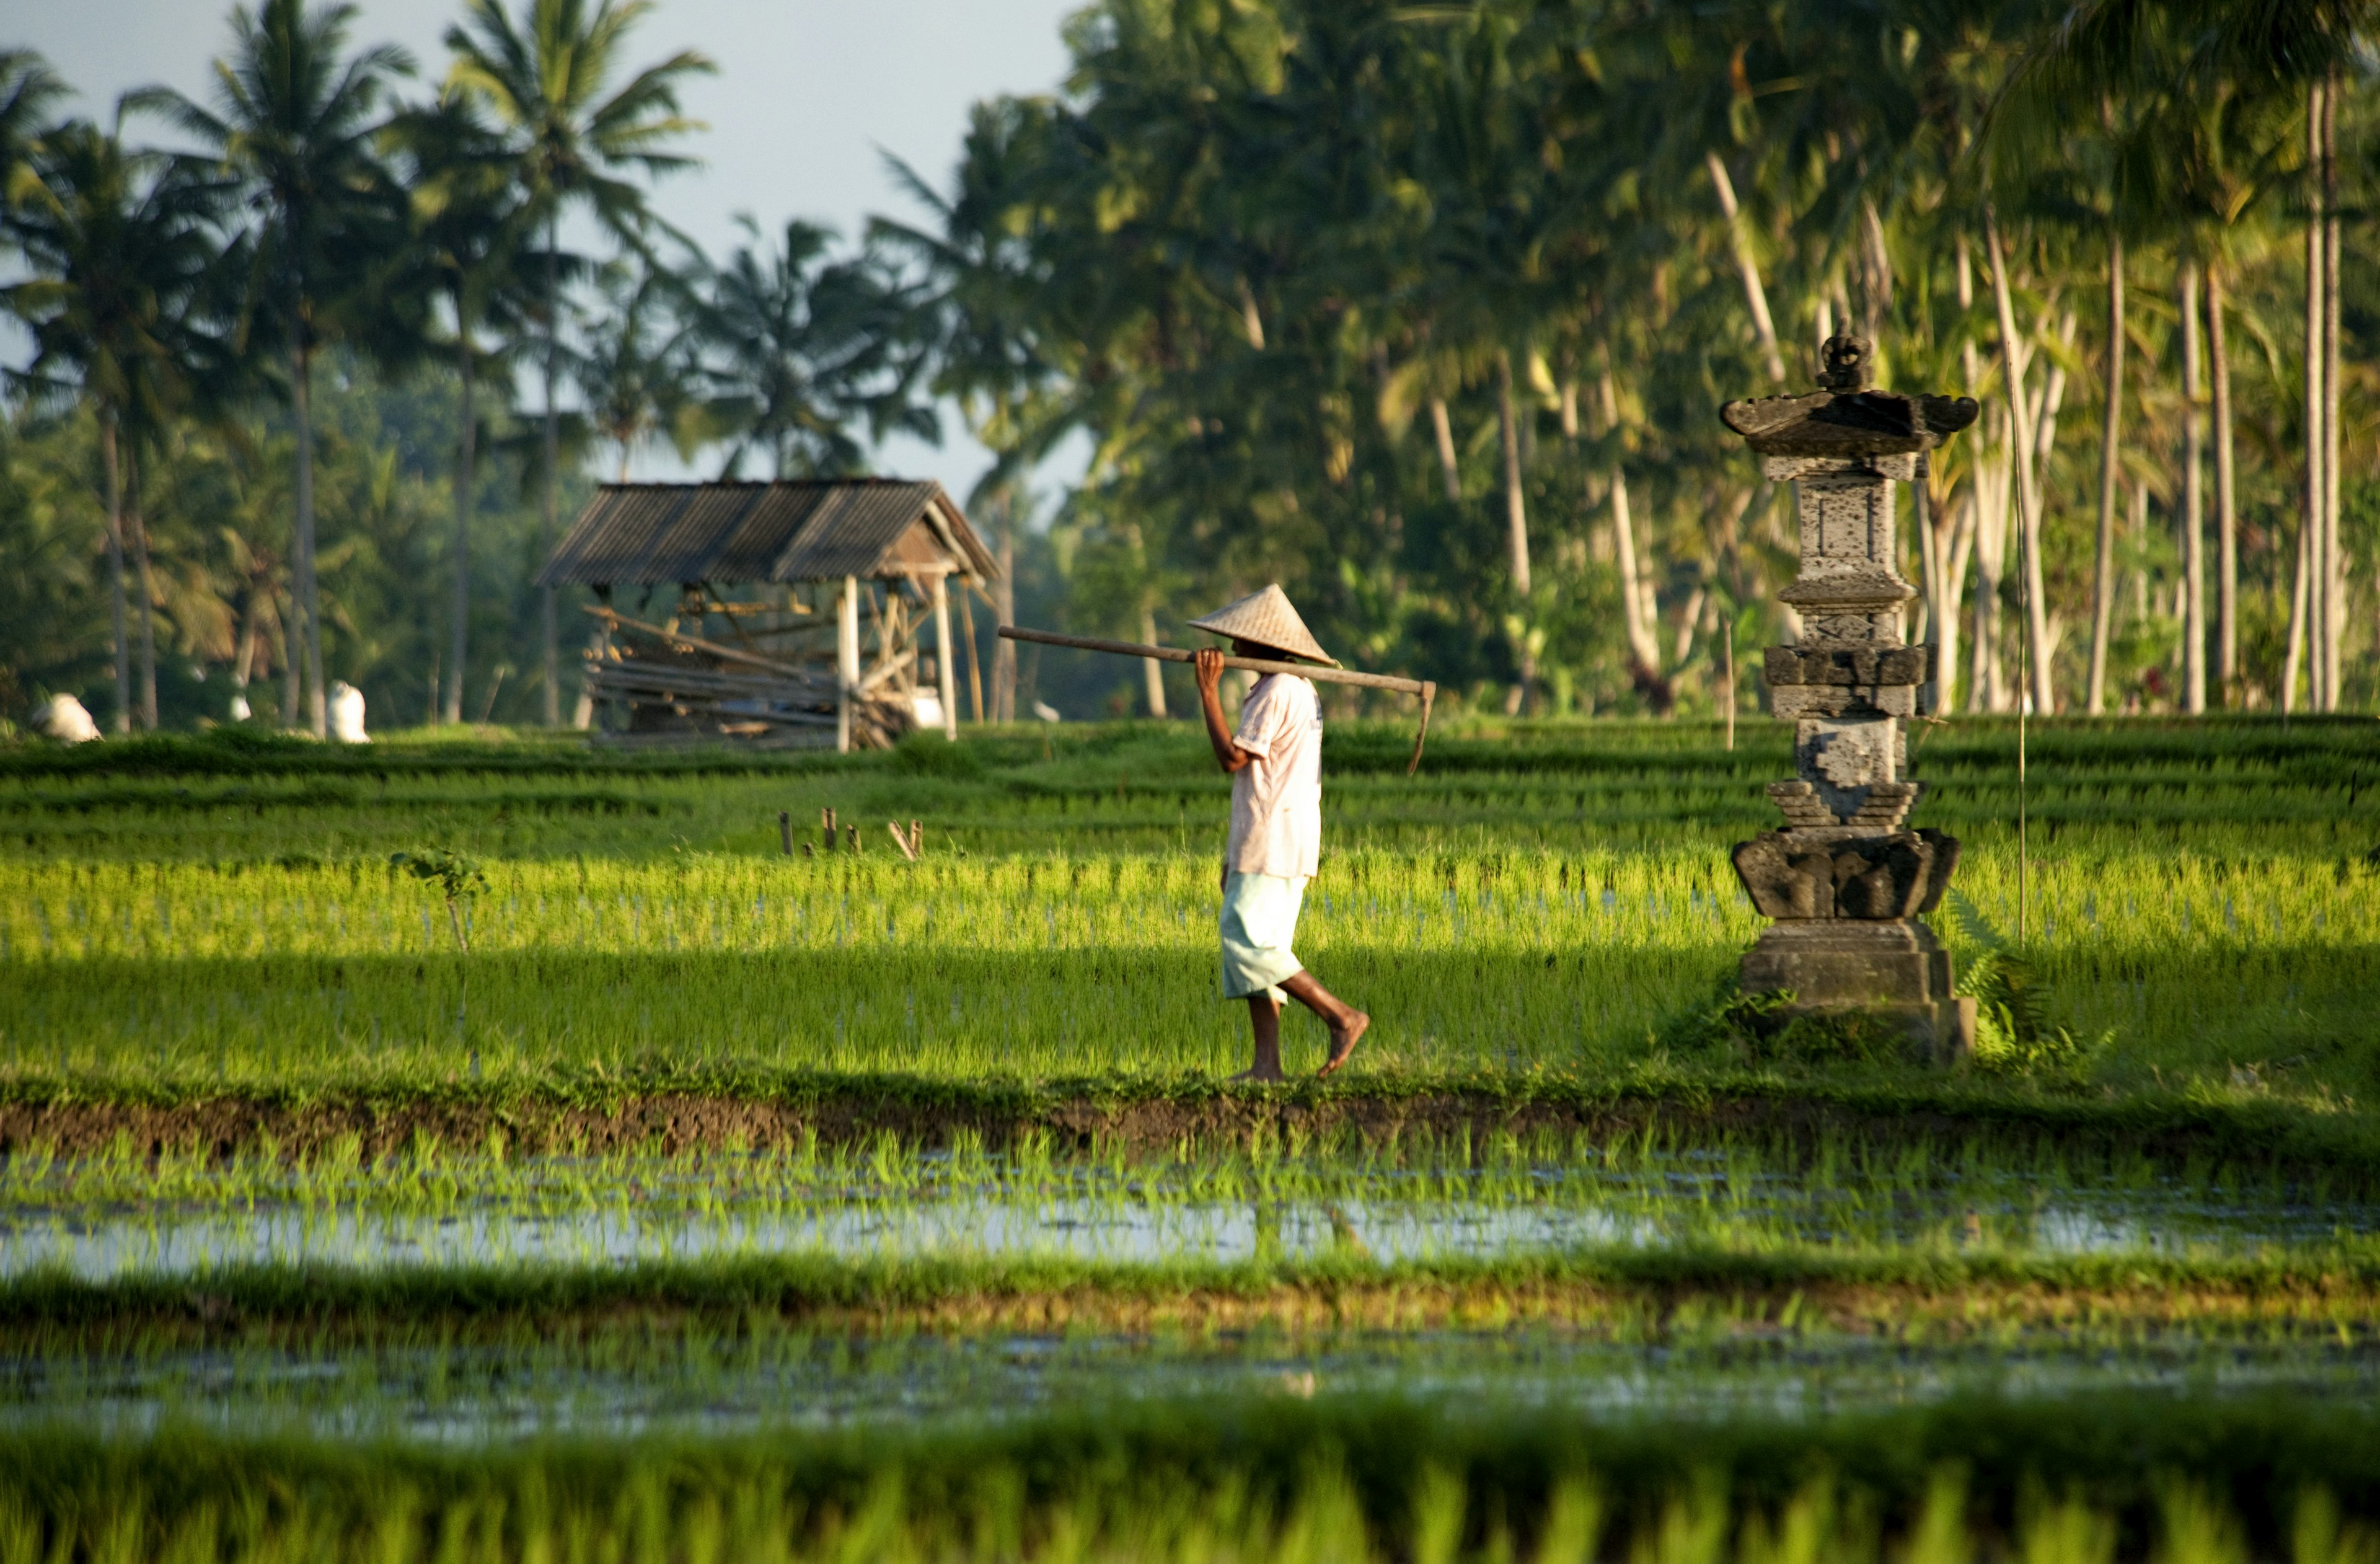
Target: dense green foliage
{"x": 1423, "y": 313}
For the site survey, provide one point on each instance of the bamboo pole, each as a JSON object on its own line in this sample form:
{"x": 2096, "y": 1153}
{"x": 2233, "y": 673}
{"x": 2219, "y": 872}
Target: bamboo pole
{"x": 1426, "y": 689}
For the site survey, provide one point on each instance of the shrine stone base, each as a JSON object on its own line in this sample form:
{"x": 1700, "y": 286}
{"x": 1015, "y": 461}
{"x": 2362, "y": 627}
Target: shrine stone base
{"x": 1891, "y": 969}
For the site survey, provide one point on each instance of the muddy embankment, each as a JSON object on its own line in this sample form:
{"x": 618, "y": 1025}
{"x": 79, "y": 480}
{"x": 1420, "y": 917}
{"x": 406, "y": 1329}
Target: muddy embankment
{"x": 669, "y": 1121}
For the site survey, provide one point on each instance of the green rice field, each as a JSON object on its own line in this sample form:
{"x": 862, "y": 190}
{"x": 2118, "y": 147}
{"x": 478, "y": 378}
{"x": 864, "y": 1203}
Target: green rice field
{"x": 673, "y": 1197}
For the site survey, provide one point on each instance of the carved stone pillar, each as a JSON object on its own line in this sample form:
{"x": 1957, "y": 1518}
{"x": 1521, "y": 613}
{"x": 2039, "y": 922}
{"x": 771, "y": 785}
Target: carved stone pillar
{"x": 1845, "y": 881}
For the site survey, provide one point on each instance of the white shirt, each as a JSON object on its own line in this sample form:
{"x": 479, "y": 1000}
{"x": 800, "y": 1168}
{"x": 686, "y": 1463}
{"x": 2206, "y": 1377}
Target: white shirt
{"x": 1277, "y": 797}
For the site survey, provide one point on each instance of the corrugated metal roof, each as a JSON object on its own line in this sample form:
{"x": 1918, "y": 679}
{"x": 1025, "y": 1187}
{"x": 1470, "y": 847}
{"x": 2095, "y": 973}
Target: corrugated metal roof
{"x": 650, "y": 534}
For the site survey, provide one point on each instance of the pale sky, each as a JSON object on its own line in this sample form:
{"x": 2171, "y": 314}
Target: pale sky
{"x": 808, "y": 92}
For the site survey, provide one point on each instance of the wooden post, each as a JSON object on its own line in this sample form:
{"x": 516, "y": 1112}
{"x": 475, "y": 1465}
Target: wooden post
{"x": 846, "y": 659}
{"x": 785, "y": 831}
{"x": 945, "y": 669}
{"x": 826, "y": 827}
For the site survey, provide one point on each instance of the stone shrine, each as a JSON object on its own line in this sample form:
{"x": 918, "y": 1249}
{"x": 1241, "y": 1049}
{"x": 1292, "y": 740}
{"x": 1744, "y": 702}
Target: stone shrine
{"x": 1845, "y": 881}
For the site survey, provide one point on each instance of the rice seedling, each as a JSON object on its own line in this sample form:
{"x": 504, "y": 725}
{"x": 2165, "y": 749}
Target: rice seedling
{"x": 2080, "y": 1479}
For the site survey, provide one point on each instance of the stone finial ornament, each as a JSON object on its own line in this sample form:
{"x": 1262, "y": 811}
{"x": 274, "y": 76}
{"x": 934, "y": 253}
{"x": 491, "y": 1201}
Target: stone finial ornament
{"x": 1843, "y": 881}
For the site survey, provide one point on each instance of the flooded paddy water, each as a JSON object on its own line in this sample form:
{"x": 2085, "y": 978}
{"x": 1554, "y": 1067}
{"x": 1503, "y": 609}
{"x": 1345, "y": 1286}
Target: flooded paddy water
{"x": 103, "y": 1217}
{"x": 127, "y": 1218}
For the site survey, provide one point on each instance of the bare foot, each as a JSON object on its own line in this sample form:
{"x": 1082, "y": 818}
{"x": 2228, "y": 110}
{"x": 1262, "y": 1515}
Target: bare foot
{"x": 1263, "y": 1076}
{"x": 1342, "y": 1042}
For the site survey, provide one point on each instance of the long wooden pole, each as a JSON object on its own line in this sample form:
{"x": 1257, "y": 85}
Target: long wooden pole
{"x": 1426, "y": 689}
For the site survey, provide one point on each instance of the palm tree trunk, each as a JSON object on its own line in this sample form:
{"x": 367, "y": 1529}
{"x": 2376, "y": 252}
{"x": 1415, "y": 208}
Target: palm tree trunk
{"x": 2025, "y": 429}
{"x": 2103, "y": 575}
{"x": 1516, "y": 520}
{"x": 243, "y": 661}
{"x": 1642, "y": 651}
{"x": 2333, "y": 616}
{"x": 2313, "y": 542}
{"x": 458, "y": 637}
{"x": 1152, "y": 671}
{"x": 1954, "y": 544}
{"x": 1754, "y": 297}
{"x": 2294, "y": 658}
{"x": 1516, "y": 513}
{"x": 2226, "y": 496}
{"x": 1448, "y": 468}
{"x": 2193, "y": 504}
{"x": 144, "y": 581}
{"x": 122, "y": 719}
{"x": 1929, "y": 570}
{"x": 1003, "y": 650}
{"x": 292, "y": 661}
{"x": 307, "y": 600}
{"x": 549, "y": 632}
{"x": 1640, "y": 646}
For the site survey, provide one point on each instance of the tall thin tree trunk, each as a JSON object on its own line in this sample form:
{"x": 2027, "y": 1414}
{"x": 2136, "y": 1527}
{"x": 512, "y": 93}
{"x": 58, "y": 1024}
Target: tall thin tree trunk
{"x": 2313, "y": 542}
{"x": 145, "y": 583}
{"x": 1003, "y": 650}
{"x": 110, "y": 468}
{"x": 2226, "y": 496}
{"x": 1929, "y": 570}
{"x": 549, "y": 632}
{"x": 2334, "y": 613}
{"x": 458, "y": 639}
{"x": 304, "y": 591}
{"x": 1754, "y": 297}
{"x": 291, "y": 659}
{"x": 1641, "y": 648}
{"x": 2036, "y": 625}
{"x": 1955, "y": 543}
{"x": 2193, "y": 504}
{"x": 1641, "y": 644}
{"x": 1443, "y": 428}
{"x": 2103, "y": 575}
{"x": 2294, "y": 658}
{"x": 1152, "y": 671}
{"x": 1986, "y": 510}
{"x": 243, "y": 660}
{"x": 1516, "y": 520}
{"x": 1987, "y": 682}
{"x": 1516, "y": 513}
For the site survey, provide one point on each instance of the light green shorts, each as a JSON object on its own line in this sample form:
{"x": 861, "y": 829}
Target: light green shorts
{"x": 1259, "y": 920}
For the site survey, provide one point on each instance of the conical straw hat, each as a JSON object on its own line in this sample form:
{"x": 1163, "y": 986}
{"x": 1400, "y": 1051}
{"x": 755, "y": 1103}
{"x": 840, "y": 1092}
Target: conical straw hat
{"x": 1267, "y": 619}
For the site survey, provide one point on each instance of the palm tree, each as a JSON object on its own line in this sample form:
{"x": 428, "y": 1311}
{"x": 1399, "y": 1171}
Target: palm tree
{"x": 28, "y": 89}
{"x": 471, "y": 228}
{"x": 545, "y": 78}
{"x": 631, "y": 368}
{"x": 294, "y": 123}
{"x": 119, "y": 244}
{"x": 803, "y": 351}
{"x": 993, "y": 352}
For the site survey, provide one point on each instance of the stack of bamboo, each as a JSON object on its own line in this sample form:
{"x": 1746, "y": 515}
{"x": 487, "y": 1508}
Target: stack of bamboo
{"x": 665, "y": 687}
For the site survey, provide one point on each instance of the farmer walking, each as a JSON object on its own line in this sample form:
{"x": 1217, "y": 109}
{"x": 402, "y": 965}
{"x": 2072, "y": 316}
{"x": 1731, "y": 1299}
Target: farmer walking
{"x": 1275, "y": 762}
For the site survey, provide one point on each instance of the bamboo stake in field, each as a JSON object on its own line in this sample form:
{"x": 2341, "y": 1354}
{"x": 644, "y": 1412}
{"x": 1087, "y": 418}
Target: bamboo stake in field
{"x": 1425, "y": 688}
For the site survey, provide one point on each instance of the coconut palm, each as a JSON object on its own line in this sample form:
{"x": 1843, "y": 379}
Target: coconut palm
{"x": 546, "y": 77}
{"x": 294, "y": 123}
{"x": 634, "y": 365}
{"x": 805, "y": 353}
{"x": 28, "y": 91}
{"x": 471, "y": 229}
{"x": 119, "y": 243}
